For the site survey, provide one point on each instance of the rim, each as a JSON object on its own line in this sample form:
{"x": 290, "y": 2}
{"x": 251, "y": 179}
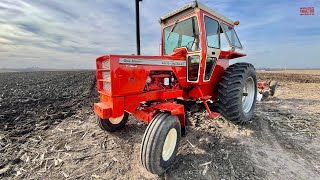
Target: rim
{"x": 169, "y": 144}
{"x": 248, "y": 95}
{"x": 116, "y": 120}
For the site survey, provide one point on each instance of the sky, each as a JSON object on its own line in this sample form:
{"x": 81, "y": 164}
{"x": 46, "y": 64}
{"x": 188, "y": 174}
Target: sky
{"x": 71, "y": 34}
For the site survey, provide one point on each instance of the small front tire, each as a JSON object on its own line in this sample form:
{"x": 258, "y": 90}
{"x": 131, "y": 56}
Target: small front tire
{"x": 113, "y": 124}
{"x": 160, "y": 143}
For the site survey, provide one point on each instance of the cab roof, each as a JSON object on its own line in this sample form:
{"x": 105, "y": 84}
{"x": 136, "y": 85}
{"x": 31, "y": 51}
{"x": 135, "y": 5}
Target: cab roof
{"x": 192, "y": 6}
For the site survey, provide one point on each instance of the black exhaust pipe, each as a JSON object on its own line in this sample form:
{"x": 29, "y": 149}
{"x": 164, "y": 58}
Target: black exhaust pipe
{"x": 138, "y": 26}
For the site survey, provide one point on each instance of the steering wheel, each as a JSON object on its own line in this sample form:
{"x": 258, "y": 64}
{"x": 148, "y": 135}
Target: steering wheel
{"x": 190, "y": 48}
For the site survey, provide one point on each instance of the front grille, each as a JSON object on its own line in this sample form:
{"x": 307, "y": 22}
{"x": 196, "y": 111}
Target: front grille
{"x": 107, "y": 86}
{"x": 106, "y": 75}
{"x": 106, "y": 64}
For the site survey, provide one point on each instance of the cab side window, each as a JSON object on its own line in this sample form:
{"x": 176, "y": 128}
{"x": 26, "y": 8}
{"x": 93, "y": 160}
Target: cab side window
{"x": 232, "y": 36}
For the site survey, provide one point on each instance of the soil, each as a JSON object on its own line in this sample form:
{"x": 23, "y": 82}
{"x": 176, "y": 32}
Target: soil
{"x": 292, "y": 76}
{"x": 48, "y": 131}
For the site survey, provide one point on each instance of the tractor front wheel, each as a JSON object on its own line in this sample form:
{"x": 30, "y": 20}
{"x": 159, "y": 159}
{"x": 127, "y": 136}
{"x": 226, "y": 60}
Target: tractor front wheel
{"x": 113, "y": 124}
{"x": 160, "y": 143}
{"x": 238, "y": 93}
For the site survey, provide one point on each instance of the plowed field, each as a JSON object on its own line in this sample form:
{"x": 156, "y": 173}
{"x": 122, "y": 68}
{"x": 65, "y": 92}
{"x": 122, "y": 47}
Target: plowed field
{"x": 48, "y": 131}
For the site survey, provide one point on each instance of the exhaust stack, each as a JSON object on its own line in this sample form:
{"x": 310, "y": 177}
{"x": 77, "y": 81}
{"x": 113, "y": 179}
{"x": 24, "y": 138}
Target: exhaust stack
{"x": 138, "y": 26}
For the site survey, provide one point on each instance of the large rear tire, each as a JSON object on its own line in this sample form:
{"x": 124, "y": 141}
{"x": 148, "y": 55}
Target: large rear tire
{"x": 160, "y": 143}
{"x": 113, "y": 124}
{"x": 238, "y": 93}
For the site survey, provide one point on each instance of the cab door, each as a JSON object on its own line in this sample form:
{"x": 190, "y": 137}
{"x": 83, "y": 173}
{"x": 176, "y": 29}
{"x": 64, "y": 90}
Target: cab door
{"x": 212, "y": 29}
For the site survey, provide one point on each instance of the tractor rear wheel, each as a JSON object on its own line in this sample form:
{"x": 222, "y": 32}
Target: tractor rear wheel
{"x": 160, "y": 143}
{"x": 113, "y": 124}
{"x": 238, "y": 93}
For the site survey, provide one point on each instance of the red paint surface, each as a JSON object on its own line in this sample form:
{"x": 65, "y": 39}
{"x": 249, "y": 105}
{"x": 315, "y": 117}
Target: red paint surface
{"x": 128, "y": 81}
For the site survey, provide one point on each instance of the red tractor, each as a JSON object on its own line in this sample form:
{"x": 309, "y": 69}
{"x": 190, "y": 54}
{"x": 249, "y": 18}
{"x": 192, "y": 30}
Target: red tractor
{"x": 193, "y": 66}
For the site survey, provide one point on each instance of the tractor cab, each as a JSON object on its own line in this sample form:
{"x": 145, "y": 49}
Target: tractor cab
{"x": 205, "y": 36}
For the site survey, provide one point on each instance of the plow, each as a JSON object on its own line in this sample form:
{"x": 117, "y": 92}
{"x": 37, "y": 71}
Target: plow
{"x": 192, "y": 67}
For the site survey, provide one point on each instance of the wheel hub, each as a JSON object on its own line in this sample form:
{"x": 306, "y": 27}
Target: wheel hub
{"x": 248, "y": 95}
{"x": 169, "y": 144}
{"x": 116, "y": 120}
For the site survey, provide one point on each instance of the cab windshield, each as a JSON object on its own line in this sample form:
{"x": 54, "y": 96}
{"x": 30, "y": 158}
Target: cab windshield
{"x": 182, "y": 34}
